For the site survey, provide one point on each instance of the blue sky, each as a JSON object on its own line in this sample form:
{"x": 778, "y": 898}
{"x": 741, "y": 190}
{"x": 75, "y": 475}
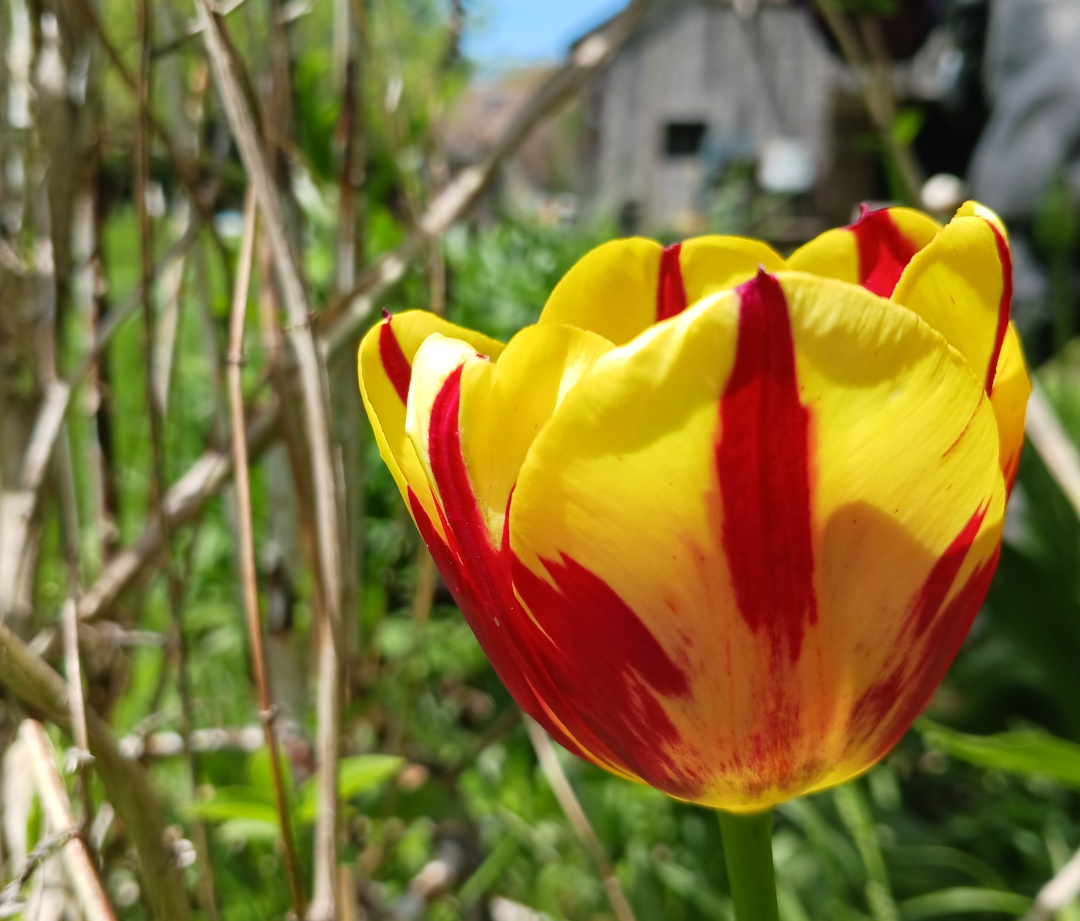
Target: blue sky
{"x": 502, "y": 32}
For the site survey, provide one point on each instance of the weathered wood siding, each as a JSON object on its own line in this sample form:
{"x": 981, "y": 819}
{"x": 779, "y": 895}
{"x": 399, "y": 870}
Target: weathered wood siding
{"x": 748, "y": 79}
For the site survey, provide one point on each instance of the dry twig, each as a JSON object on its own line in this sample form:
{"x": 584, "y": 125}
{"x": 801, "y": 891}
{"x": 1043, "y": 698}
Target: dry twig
{"x": 155, "y": 412}
{"x": 247, "y": 546}
{"x": 315, "y": 400}
{"x": 347, "y": 315}
{"x": 564, "y": 793}
{"x": 77, "y": 859}
{"x": 127, "y": 786}
{"x": 50, "y": 417}
{"x": 1055, "y": 447}
{"x": 183, "y": 169}
{"x": 1058, "y": 892}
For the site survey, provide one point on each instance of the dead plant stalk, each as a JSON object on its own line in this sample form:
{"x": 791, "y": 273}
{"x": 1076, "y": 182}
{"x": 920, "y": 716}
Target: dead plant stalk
{"x": 127, "y": 785}
{"x": 57, "y": 810}
{"x": 315, "y": 402}
{"x": 157, "y": 450}
{"x": 247, "y": 545}
{"x": 579, "y": 822}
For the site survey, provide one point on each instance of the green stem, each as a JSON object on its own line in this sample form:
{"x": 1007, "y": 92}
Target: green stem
{"x": 748, "y": 854}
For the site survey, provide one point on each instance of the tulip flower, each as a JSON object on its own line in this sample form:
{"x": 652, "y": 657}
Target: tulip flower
{"x": 721, "y": 520}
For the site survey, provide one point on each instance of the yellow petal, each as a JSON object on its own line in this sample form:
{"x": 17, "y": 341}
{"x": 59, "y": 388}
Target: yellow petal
{"x": 1009, "y": 397}
{"x": 384, "y": 365}
{"x": 961, "y": 284}
{"x": 471, "y": 423}
{"x": 858, "y": 452}
{"x": 872, "y": 252}
{"x": 502, "y": 405}
{"x": 611, "y": 290}
{"x": 623, "y": 287}
{"x": 713, "y": 264}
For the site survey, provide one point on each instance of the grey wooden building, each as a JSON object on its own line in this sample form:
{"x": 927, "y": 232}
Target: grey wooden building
{"x": 701, "y": 86}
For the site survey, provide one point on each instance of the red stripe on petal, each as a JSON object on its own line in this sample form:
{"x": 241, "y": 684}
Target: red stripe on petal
{"x": 608, "y": 672}
{"x": 394, "y": 362}
{"x": 964, "y": 431}
{"x": 937, "y": 585}
{"x": 578, "y": 653}
{"x": 1005, "y": 305}
{"x": 451, "y": 476}
{"x": 525, "y": 657}
{"x": 884, "y": 251}
{"x": 763, "y": 461}
{"x": 884, "y": 713}
{"x": 670, "y": 291}
{"x": 483, "y": 618}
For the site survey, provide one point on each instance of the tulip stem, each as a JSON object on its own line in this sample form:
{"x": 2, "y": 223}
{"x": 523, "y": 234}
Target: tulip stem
{"x": 748, "y": 854}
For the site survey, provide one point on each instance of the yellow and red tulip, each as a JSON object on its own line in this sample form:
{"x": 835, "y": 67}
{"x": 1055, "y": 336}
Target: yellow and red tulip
{"x": 720, "y": 520}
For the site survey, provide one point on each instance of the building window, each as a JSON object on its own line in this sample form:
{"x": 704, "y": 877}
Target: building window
{"x": 683, "y": 139}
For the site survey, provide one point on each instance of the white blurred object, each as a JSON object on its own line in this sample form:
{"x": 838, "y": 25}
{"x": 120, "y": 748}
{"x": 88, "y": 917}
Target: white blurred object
{"x": 505, "y": 910}
{"x": 786, "y": 165}
{"x": 944, "y": 193}
{"x": 229, "y": 224}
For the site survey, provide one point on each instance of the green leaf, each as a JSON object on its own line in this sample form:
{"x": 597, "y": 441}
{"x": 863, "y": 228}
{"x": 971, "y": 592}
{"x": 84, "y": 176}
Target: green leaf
{"x": 361, "y": 773}
{"x": 1028, "y": 752}
{"x": 855, "y": 813}
{"x": 33, "y": 824}
{"x": 236, "y": 803}
{"x": 906, "y": 125}
{"x": 963, "y": 900}
{"x": 244, "y": 831}
{"x": 356, "y": 775}
{"x": 690, "y": 886}
{"x": 262, "y": 778}
{"x": 930, "y": 856}
{"x": 489, "y": 872}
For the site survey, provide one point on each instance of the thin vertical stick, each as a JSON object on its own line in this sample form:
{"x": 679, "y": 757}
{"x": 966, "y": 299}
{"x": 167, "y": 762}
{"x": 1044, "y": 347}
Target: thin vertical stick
{"x": 57, "y": 809}
{"x": 207, "y": 897}
{"x": 349, "y": 52}
{"x": 247, "y": 546}
{"x": 315, "y": 403}
{"x": 69, "y": 516}
{"x": 564, "y": 793}
{"x": 78, "y": 707}
{"x": 1043, "y": 427}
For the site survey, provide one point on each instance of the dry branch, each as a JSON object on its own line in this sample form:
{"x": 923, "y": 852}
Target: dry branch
{"x": 179, "y": 164}
{"x": 127, "y": 785}
{"x": 1058, "y": 893}
{"x": 1057, "y": 450}
{"x": 872, "y": 68}
{"x": 56, "y": 808}
{"x": 314, "y": 389}
{"x": 155, "y": 409}
{"x": 182, "y": 502}
{"x": 571, "y": 807}
{"x": 248, "y": 579}
{"x": 50, "y": 420}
